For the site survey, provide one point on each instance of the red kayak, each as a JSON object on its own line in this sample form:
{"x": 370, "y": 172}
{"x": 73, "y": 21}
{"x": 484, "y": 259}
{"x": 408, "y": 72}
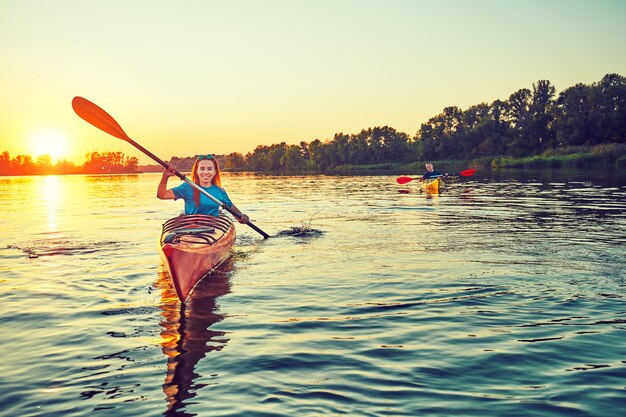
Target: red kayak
{"x": 194, "y": 245}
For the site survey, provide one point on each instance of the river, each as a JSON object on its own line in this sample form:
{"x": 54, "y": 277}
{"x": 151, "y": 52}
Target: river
{"x": 502, "y": 296}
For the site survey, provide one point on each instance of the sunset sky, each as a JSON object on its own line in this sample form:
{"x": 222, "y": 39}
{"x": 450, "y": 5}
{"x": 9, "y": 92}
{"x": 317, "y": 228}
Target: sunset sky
{"x": 191, "y": 77}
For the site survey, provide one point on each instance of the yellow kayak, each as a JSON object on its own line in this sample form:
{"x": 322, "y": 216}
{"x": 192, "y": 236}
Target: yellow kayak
{"x": 433, "y": 186}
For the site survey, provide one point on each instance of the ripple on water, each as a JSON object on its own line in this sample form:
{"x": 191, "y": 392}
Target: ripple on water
{"x": 496, "y": 298}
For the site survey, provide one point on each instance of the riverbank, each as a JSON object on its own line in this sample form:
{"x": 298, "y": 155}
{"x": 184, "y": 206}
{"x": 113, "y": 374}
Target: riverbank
{"x": 605, "y": 156}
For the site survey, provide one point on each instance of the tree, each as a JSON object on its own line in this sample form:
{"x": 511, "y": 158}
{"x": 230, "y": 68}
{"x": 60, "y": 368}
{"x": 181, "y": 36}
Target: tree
{"x": 612, "y": 89}
{"x": 22, "y": 165}
{"x": 358, "y": 150}
{"x": 541, "y": 115}
{"x": 518, "y": 115}
{"x": 65, "y": 167}
{"x": 108, "y": 163}
{"x": 292, "y": 159}
{"x": 234, "y": 161}
{"x": 131, "y": 163}
{"x": 44, "y": 164}
{"x": 573, "y": 108}
{"x": 319, "y": 155}
{"x": 478, "y": 126}
{"x": 442, "y": 133}
{"x": 5, "y": 163}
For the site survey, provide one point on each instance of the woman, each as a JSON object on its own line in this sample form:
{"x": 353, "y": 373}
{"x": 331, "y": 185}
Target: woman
{"x": 205, "y": 173}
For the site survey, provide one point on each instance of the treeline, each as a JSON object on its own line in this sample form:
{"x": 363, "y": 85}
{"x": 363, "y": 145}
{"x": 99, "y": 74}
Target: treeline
{"x": 530, "y": 122}
{"x": 95, "y": 163}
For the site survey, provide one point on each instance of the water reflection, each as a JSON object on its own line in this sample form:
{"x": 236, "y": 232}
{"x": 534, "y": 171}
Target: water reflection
{"x": 51, "y": 191}
{"x": 186, "y": 337}
{"x": 517, "y": 285}
{"x": 111, "y": 178}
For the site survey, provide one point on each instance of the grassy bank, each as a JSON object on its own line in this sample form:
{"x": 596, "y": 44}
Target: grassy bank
{"x": 607, "y": 156}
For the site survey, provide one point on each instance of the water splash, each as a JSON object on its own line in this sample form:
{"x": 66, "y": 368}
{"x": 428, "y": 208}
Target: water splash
{"x": 304, "y": 230}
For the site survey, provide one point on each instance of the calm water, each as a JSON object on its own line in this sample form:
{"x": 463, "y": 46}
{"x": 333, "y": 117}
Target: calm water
{"x": 502, "y": 297}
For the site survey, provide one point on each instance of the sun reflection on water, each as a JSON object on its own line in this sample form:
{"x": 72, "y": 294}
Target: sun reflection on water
{"x": 51, "y": 192}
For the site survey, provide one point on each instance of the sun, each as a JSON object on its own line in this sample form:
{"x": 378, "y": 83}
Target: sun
{"x": 50, "y": 141}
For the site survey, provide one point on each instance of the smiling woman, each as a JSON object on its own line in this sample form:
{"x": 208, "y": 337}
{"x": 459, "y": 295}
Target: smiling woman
{"x": 49, "y": 141}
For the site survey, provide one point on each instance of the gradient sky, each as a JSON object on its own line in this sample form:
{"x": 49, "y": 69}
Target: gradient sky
{"x": 191, "y": 77}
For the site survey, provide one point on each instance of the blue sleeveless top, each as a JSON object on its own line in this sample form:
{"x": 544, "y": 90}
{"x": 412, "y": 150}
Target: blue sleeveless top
{"x": 207, "y": 206}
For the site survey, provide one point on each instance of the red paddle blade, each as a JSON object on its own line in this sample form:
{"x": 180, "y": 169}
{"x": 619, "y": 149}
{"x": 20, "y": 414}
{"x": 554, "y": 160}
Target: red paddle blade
{"x": 467, "y": 173}
{"x": 404, "y": 180}
{"x": 97, "y": 117}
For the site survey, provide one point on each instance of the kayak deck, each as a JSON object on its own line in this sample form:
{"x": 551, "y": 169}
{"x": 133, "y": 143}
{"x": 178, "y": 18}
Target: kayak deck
{"x": 191, "y": 246}
{"x": 433, "y": 186}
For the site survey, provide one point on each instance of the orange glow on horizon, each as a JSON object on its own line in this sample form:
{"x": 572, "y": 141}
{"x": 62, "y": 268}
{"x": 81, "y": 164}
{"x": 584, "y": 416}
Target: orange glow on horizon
{"x": 51, "y": 142}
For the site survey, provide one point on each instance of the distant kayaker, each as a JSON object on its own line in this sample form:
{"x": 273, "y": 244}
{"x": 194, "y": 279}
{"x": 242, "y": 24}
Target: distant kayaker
{"x": 206, "y": 173}
{"x": 430, "y": 172}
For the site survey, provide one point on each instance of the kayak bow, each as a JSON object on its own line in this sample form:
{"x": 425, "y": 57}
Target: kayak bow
{"x": 191, "y": 246}
{"x": 433, "y": 186}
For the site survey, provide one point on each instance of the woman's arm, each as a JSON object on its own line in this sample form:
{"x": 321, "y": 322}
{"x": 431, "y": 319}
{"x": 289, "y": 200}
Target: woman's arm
{"x": 162, "y": 192}
{"x": 243, "y": 218}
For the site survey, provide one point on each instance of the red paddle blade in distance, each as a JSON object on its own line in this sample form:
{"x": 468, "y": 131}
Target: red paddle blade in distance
{"x": 404, "y": 180}
{"x": 467, "y": 173}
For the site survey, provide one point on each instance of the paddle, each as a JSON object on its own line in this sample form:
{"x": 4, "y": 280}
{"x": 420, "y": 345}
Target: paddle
{"x": 465, "y": 173}
{"x": 99, "y": 118}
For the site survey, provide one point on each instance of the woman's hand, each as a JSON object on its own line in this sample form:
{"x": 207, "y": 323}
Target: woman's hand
{"x": 162, "y": 192}
{"x": 170, "y": 171}
{"x": 244, "y": 218}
